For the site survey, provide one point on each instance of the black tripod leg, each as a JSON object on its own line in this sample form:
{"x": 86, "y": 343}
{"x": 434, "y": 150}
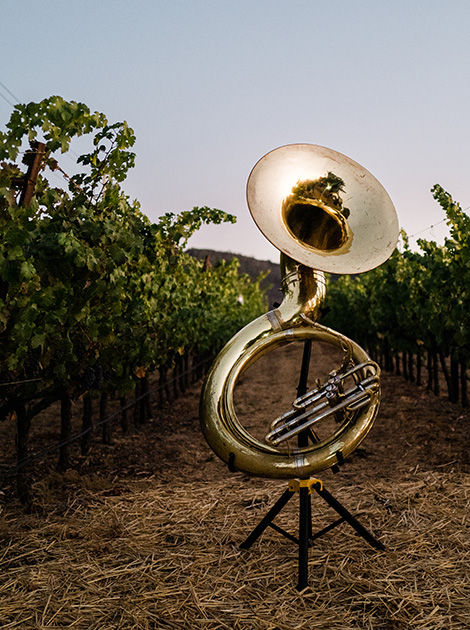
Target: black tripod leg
{"x": 265, "y": 522}
{"x": 305, "y": 531}
{"x": 349, "y": 518}
{"x": 304, "y": 368}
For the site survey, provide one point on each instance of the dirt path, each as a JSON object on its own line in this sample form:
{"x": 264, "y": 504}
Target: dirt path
{"x": 414, "y": 430}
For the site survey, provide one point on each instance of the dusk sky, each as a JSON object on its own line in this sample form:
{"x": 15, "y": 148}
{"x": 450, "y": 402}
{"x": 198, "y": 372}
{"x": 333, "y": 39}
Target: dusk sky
{"x": 210, "y": 86}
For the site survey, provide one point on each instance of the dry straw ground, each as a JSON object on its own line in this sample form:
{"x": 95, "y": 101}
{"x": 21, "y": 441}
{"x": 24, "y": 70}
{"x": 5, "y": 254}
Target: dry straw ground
{"x": 145, "y": 534}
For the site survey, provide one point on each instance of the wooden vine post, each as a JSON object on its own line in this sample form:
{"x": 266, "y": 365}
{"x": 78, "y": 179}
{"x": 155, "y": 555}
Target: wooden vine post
{"x": 33, "y": 159}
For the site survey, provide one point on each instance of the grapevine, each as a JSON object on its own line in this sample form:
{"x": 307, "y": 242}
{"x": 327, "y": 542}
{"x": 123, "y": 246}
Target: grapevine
{"x": 414, "y": 310}
{"x": 93, "y": 295}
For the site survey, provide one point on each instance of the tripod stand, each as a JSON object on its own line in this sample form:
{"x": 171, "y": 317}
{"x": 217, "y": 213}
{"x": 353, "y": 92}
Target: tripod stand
{"x": 305, "y": 487}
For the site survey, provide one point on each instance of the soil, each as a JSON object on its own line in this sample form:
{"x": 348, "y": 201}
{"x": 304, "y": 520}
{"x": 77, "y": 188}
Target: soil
{"x": 414, "y": 429}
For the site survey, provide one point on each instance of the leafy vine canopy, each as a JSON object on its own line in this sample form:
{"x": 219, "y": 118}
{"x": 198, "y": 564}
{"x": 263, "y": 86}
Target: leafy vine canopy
{"x": 87, "y": 281}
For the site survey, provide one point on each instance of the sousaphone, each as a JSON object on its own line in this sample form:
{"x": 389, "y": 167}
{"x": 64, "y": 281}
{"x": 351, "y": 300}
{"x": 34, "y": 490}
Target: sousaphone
{"x": 325, "y": 213}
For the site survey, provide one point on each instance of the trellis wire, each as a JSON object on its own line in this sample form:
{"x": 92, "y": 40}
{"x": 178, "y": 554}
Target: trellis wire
{"x": 76, "y": 436}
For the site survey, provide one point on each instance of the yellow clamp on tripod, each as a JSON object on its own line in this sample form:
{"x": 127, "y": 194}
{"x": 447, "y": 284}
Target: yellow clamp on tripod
{"x": 311, "y": 484}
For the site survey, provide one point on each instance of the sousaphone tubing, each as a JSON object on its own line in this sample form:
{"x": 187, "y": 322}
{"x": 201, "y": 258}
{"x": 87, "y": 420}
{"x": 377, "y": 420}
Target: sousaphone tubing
{"x": 325, "y": 213}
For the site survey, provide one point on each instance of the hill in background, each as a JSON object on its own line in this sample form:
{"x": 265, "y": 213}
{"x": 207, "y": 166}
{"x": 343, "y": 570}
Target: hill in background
{"x": 250, "y": 266}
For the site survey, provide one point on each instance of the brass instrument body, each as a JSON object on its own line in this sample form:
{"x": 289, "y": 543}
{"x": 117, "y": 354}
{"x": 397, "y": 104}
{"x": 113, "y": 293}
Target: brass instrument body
{"x": 294, "y": 320}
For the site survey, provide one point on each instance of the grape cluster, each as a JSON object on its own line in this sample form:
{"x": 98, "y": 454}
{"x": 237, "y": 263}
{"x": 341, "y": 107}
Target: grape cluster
{"x": 31, "y": 365}
{"x": 80, "y": 349}
{"x": 94, "y": 377}
{"x": 88, "y": 378}
{"x": 98, "y": 377}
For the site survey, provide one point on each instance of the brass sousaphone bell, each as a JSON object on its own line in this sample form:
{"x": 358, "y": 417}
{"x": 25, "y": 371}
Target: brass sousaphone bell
{"x": 325, "y": 213}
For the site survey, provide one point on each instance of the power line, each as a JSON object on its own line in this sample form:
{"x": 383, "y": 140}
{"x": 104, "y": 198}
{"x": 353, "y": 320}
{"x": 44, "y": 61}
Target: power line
{"x": 430, "y": 227}
{"x": 10, "y": 93}
{"x": 7, "y": 100}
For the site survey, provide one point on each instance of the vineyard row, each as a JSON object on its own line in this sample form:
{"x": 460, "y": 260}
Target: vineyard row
{"x": 132, "y": 411}
{"x": 413, "y": 312}
{"x": 93, "y": 296}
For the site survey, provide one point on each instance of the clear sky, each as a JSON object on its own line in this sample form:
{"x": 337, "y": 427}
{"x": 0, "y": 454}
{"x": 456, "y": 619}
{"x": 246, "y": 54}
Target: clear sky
{"x": 210, "y": 86}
